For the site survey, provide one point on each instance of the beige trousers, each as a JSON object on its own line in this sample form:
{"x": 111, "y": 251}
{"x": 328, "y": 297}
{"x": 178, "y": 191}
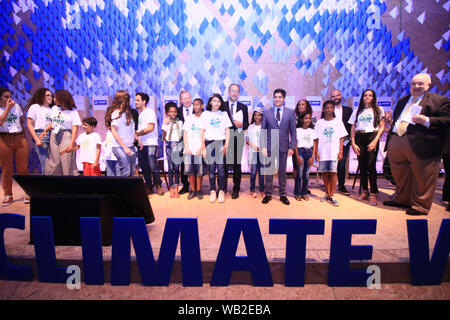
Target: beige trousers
{"x": 61, "y": 164}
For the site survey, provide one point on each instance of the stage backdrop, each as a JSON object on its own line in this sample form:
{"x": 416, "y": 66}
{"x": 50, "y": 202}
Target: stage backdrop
{"x": 96, "y": 47}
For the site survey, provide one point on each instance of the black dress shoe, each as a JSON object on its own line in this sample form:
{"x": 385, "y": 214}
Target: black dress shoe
{"x": 391, "y": 203}
{"x": 184, "y": 190}
{"x": 266, "y": 199}
{"x": 235, "y": 195}
{"x": 284, "y": 200}
{"x": 344, "y": 191}
{"x": 414, "y": 212}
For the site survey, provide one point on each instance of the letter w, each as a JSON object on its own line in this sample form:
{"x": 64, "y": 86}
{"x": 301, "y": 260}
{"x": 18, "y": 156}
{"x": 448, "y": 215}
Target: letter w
{"x": 152, "y": 273}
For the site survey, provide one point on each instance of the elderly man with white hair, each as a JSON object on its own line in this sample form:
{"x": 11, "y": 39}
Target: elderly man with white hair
{"x": 415, "y": 145}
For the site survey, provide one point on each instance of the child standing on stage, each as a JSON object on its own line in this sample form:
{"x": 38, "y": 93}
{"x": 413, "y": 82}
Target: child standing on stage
{"x": 215, "y": 138}
{"x": 304, "y": 154}
{"x": 254, "y": 154}
{"x": 172, "y": 135}
{"x": 330, "y": 134}
{"x": 193, "y": 162}
{"x": 89, "y": 143}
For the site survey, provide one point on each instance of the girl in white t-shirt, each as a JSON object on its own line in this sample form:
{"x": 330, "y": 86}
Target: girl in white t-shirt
{"x": 367, "y": 128}
{"x": 215, "y": 138}
{"x": 64, "y": 128}
{"x": 254, "y": 153}
{"x": 120, "y": 119}
{"x": 38, "y": 118}
{"x": 304, "y": 154}
{"x": 172, "y": 136}
{"x": 329, "y": 143}
{"x": 13, "y": 144}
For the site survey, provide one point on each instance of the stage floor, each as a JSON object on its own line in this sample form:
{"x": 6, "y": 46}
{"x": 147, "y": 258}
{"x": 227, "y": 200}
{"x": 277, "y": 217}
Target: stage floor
{"x": 390, "y": 245}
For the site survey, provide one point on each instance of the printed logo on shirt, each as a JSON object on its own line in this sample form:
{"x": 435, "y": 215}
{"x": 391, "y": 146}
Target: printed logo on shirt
{"x": 195, "y": 129}
{"x": 328, "y": 133}
{"x": 11, "y": 118}
{"x": 307, "y": 139}
{"x": 365, "y": 120}
{"x": 215, "y": 123}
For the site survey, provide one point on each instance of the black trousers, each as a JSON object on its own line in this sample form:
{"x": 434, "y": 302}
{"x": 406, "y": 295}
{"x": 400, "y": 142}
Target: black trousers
{"x": 341, "y": 169}
{"x": 234, "y": 158}
{"x": 367, "y": 161}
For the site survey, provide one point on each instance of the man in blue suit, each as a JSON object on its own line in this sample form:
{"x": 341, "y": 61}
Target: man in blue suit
{"x": 281, "y": 141}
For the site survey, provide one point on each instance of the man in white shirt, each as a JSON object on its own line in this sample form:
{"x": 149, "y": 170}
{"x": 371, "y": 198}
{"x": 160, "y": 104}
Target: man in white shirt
{"x": 148, "y": 135}
{"x": 238, "y": 114}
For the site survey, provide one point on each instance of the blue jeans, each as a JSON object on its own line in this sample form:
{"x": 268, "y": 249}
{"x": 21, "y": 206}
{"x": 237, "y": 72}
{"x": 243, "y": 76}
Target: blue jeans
{"x": 174, "y": 154}
{"x": 214, "y": 161}
{"x": 147, "y": 158}
{"x": 42, "y": 151}
{"x": 125, "y": 163}
{"x": 302, "y": 178}
{"x": 111, "y": 168}
{"x": 255, "y": 168}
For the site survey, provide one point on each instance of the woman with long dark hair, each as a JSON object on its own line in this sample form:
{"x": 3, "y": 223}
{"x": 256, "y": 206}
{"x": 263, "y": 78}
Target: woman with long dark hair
{"x": 368, "y": 121}
{"x": 13, "y": 144}
{"x": 120, "y": 119}
{"x": 38, "y": 118}
{"x": 64, "y": 128}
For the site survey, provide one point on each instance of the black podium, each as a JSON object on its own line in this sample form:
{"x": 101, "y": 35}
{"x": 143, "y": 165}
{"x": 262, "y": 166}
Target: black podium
{"x": 67, "y": 198}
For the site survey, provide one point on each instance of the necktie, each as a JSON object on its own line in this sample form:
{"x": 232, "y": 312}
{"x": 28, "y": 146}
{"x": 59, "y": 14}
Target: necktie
{"x": 403, "y": 125}
{"x": 232, "y": 109}
{"x": 187, "y": 112}
{"x": 278, "y": 115}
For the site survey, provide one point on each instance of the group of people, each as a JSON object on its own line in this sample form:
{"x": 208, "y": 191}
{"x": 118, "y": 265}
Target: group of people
{"x": 200, "y": 142}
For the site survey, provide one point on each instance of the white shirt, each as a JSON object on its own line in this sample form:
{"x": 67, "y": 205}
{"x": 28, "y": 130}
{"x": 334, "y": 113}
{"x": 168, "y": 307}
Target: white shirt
{"x": 40, "y": 115}
{"x": 126, "y": 133}
{"x": 145, "y": 118}
{"x": 192, "y": 126}
{"x": 107, "y": 147}
{"x": 186, "y": 110}
{"x": 338, "y": 111}
{"x": 88, "y": 146}
{"x": 405, "y": 114}
{"x": 12, "y": 121}
{"x": 305, "y": 138}
{"x": 214, "y": 124}
{"x": 64, "y": 119}
{"x": 177, "y": 135}
{"x": 253, "y": 135}
{"x": 329, "y": 134}
{"x": 365, "y": 119}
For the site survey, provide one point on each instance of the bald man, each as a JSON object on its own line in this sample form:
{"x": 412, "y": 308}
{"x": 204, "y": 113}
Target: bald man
{"x": 415, "y": 145}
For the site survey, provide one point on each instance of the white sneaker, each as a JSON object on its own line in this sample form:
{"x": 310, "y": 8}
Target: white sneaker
{"x": 221, "y": 196}
{"x": 7, "y": 200}
{"x": 26, "y": 199}
{"x": 212, "y": 197}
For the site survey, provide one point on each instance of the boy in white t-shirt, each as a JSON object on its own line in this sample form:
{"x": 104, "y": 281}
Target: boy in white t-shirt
{"x": 89, "y": 143}
{"x": 330, "y": 134}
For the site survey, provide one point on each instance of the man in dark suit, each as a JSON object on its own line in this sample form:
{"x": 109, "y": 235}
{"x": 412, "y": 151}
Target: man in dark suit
{"x": 415, "y": 145}
{"x": 281, "y": 122}
{"x": 343, "y": 113}
{"x": 184, "y": 110}
{"x": 238, "y": 114}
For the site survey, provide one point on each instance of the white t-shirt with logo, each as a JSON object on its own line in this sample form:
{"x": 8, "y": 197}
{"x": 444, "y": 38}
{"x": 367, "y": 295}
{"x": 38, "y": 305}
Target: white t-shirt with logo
{"x": 12, "y": 122}
{"x": 305, "y": 138}
{"x": 214, "y": 124}
{"x": 88, "y": 146}
{"x": 40, "y": 115}
{"x": 365, "y": 119}
{"x": 192, "y": 125}
{"x": 329, "y": 133}
{"x": 107, "y": 147}
{"x": 253, "y": 135}
{"x": 126, "y": 133}
{"x": 176, "y": 135}
{"x": 145, "y": 117}
{"x": 64, "y": 119}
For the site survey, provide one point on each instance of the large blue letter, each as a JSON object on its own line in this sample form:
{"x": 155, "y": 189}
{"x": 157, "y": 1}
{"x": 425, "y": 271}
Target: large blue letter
{"x": 44, "y": 247}
{"x": 424, "y": 271}
{"x": 296, "y": 231}
{"x": 151, "y": 273}
{"x": 256, "y": 261}
{"x": 342, "y": 251}
{"x": 9, "y": 271}
{"x": 91, "y": 240}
